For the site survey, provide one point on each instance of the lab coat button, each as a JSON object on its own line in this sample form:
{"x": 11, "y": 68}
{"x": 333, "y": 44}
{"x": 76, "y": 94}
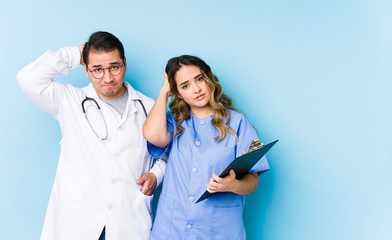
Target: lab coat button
{"x": 194, "y": 170}
{"x": 113, "y": 180}
{"x": 201, "y": 122}
{"x": 189, "y": 226}
{"x": 191, "y": 198}
{"x": 197, "y": 143}
{"x": 110, "y": 206}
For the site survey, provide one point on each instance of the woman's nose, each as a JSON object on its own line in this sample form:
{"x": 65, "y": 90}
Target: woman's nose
{"x": 197, "y": 88}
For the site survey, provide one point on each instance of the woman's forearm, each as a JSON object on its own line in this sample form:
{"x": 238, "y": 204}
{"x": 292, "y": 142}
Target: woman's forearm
{"x": 154, "y": 129}
{"x": 247, "y": 184}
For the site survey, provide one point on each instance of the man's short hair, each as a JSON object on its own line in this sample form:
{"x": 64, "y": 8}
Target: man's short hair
{"x": 102, "y": 42}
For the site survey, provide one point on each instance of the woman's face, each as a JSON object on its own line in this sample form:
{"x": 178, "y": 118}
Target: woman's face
{"x": 192, "y": 88}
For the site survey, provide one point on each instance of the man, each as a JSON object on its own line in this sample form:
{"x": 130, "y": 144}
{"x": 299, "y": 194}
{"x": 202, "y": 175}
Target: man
{"x": 104, "y": 183}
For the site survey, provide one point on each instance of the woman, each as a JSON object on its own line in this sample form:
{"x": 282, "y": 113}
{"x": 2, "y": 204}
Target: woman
{"x": 203, "y": 134}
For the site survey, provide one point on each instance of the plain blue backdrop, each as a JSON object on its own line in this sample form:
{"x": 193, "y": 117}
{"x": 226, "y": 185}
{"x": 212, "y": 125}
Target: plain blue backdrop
{"x": 314, "y": 74}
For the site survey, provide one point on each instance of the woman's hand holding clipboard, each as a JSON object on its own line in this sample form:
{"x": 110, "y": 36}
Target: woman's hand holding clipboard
{"x": 243, "y": 164}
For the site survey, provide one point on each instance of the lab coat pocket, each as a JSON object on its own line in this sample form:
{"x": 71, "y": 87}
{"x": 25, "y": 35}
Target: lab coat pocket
{"x": 227, "y": 223}
{"x": 142, "y": 211}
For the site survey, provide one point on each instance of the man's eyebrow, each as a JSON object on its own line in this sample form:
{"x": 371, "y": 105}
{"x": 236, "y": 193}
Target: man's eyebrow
{"x": 112, "y": 63}
{"x": 115, "y": 63}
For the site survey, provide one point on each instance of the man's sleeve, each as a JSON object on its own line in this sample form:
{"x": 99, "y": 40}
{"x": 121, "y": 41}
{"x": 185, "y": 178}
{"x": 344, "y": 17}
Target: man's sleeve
{"x": 36, "y": 79}
{"x": 159, "y": 167}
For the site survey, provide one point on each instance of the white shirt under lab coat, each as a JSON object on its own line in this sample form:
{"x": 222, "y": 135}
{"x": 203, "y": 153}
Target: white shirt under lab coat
{"x": 95, "y": 183}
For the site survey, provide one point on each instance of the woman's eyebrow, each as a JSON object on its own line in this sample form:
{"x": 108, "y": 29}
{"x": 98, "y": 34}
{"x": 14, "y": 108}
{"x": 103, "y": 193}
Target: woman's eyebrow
{"x": 198, "y": 76}
{"x": 184, "y": 82}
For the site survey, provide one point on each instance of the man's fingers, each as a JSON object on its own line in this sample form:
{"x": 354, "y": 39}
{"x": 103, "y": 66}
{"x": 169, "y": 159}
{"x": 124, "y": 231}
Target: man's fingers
{"x": 81, "y": 46}
{"x": 148, "y": 182}
{"x": 144, "y": 189}
{"x": 141, "y": 180}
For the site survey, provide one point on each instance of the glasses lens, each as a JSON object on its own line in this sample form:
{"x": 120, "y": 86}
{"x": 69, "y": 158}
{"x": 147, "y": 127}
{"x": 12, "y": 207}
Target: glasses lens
{"x": 115, "y": 70}
{"x": 98, "y": 73}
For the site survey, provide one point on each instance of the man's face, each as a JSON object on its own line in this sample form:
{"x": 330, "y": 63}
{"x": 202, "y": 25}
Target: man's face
{"x": 108, "y": 86}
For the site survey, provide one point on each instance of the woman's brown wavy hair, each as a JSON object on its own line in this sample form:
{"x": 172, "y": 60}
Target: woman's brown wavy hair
{"x": 219, "y": 102}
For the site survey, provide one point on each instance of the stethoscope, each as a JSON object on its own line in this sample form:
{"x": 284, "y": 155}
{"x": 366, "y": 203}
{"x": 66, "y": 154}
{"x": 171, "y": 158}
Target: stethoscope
{"x": 100, "y": 111}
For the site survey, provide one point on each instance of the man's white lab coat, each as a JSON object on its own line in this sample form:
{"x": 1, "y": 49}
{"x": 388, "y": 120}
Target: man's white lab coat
{"x": 95, "y": 184}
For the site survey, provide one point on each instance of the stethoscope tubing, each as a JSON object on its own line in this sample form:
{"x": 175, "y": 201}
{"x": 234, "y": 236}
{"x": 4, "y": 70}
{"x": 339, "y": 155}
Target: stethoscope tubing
{"x": 100, "y": 111}
{"x": 89, "y": 123}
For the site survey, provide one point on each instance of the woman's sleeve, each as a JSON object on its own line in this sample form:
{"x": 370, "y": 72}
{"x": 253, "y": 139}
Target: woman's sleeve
{"x": 246, "y": 134}
{"x": 157, "y": 152}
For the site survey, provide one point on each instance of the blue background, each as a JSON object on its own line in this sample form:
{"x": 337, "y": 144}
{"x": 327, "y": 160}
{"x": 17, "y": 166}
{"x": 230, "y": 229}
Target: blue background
{"x": 314, "y": 74}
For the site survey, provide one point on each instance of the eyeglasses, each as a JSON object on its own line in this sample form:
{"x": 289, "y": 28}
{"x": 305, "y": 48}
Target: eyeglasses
{"x": 115, "y": 70}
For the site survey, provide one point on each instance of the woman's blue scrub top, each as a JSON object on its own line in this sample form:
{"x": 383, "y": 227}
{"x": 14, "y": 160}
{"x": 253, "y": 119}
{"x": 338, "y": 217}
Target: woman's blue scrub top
{"x": 193, "y": 157}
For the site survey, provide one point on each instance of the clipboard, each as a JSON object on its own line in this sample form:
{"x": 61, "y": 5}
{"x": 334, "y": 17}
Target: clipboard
{"x": 242, "y": 165}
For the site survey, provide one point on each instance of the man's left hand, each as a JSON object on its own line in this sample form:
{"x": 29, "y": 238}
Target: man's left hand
{"x": 148, "y": 182}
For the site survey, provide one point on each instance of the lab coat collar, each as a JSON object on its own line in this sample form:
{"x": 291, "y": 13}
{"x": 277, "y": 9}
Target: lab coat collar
{"x": 133, "y": 96}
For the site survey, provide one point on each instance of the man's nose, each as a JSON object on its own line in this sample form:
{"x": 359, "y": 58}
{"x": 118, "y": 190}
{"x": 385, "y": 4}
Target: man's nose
{"x": 107, "y": 77}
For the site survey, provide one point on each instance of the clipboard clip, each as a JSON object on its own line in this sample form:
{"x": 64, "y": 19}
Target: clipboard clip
{"x": 255, "y": 145}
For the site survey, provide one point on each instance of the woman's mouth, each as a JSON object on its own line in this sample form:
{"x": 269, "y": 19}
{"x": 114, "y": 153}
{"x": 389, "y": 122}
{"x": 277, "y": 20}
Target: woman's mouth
{"x": 199, "y": 97}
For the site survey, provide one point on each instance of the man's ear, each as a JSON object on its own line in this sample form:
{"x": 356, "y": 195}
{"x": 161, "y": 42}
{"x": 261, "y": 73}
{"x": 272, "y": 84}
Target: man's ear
{"x": 125, "y": 63}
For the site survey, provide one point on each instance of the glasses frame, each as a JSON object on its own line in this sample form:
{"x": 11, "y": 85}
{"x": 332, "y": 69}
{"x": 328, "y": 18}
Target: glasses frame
{"x": 108, "y": 68}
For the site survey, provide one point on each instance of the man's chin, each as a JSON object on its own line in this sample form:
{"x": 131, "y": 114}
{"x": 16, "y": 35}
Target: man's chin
{"x": 112, "y": 94}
